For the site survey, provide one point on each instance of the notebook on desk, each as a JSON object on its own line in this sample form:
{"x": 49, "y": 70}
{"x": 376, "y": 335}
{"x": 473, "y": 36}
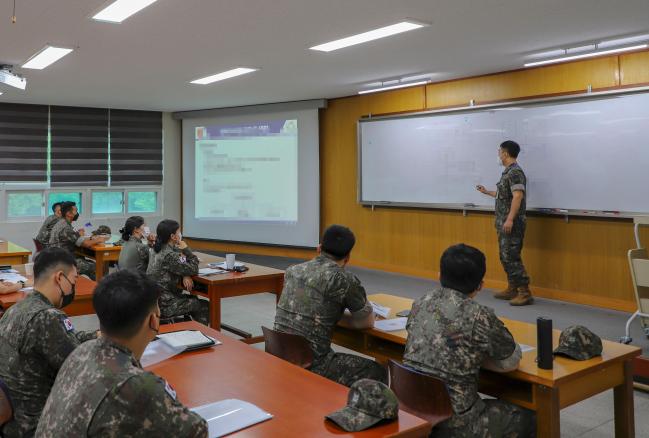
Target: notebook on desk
{"x": 227, "y": 416}
{"x": 188, "y": 340}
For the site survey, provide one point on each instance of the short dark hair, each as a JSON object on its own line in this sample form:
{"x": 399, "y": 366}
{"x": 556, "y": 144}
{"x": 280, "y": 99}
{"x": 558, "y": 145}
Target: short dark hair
{"x": 164, "y": 231}
{"x": 56, "y": 204}
{"x": 132, "y": 223}
{"x": 122, "y": 300}
{"x": 67, "y": 206}
{"x": 51, "y": 259}
{"x": 511, "y": 147}
{"x": 338, "y": 241}
{"x": 462, "y": 268}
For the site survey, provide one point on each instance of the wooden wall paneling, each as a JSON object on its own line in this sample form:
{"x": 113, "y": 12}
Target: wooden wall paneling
{"x": 634, "y": 68}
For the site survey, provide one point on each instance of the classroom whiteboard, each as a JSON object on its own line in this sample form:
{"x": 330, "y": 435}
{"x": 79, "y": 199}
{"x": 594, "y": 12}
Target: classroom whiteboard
{"x": 587, "y": 156}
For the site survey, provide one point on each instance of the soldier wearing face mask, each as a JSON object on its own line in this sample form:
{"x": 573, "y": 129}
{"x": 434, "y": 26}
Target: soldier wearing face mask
{"x": 136, "y": 244}
{"x": 64, "y": 236}
{"x": 36, "y": 337}
{"x": 511, "y": 223}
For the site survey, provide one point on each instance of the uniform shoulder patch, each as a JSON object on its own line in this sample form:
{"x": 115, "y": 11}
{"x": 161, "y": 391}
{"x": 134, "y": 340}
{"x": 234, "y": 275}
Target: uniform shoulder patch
{"x": 67, "y": 324}
{"x": 183, "y": 259}
{"x": 170, "y": 390}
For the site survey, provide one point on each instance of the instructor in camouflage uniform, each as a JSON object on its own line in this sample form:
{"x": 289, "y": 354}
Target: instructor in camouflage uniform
{"x": 510, "y": 224}
{"x": 35, "y": 339}
{"x": 451, "y": 336}
{"x": 102, "y": 390}
{"x": 171, "y": 263}
{"x": 315, "y": 297}
{"x": 64, "y": 236}
{"x": 43, "y": 236}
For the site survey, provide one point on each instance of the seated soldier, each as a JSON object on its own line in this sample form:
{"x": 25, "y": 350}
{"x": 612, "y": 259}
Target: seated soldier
{"x": 36, "y": 337}
{"x": 64, "y": 236}
{"x": 43, "y": 236}
{"x": 315, "y": 297}
{"x": 451, "y": 336}
{"x": 102, "y": 390}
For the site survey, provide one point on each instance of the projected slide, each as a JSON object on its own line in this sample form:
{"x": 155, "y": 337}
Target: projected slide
{"x": 247, "y": 172}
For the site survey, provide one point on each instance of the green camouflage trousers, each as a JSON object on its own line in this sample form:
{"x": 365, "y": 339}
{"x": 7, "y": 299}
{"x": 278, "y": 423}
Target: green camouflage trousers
{"x": 510, "y": 247}
{"x": 348, "y": 368}
{"x": 86, "y": 267}
{"x": 184, "y": 304}
{"x": 498, "y": 419}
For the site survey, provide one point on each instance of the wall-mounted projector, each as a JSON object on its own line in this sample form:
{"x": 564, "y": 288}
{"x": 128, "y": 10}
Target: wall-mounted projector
{"x": 8, "y": 77}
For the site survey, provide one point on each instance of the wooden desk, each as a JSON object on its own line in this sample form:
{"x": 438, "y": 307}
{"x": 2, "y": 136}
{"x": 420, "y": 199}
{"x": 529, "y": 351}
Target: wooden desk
{"x": 82, "y": 304}
{"x": 297, "y": 399}
{"x": 544, "y": 391}
{"x": 256, "y": 280}
{"x": 12, "y": 254}
{"x": 101, "y": 254}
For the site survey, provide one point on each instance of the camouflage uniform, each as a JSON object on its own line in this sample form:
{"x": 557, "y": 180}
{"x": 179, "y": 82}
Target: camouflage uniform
{"x": 368, "y": 403}
{"x": 102, "y": 391}
{"x": 167, "y": 268}
{"x": 35, "y": 339}
{"x": 449, "y": 337}
{"x": 315, "y": 295}
{"x": 134, "y": 255}
{"x": 43, "y": 236}
{"x": 64, "y": 236}
{"x": 511, "y": 245}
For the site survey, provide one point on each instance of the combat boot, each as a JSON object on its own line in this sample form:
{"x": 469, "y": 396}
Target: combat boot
{"x": 506, "y": 294}
{"x": 523, "y": 298}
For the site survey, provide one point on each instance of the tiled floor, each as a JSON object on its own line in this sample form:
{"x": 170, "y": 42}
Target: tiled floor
{"x": 592, "y": 418}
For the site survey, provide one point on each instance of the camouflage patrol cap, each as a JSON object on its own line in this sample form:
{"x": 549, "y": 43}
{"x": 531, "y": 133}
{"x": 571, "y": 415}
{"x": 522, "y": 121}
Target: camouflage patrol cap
{"x": 368, "y": 403}
{"x": 102, "y": 229}
{"x": 579, "y": 343}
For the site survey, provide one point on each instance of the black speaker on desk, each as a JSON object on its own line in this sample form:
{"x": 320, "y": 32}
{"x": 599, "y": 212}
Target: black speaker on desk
{"x": 544, "y": 343}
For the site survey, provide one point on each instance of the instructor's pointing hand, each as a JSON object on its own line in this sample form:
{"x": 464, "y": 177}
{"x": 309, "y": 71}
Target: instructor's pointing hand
{"x": 481, "y": 189}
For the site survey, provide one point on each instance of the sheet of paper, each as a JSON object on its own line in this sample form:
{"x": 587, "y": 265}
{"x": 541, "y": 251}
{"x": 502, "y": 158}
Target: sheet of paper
{"x": 391, "y": 325}
{"x": 380, "y": 310}
{"x": 157, "y": 351}
{"x": 185, "y": 338}
{"x": 222, "y": 265}
{"x": 525, "y": 348}
{"x": 210, "y": 271}
{"x": 8, "y": 271}
{"x": 12, "y": 278}
{"x": 227, "y": 416}
{"x": 27, "y": 289}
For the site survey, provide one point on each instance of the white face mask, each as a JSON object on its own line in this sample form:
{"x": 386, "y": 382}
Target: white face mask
{"x": 146, "y": 232}
{"x": 180, "y": 236}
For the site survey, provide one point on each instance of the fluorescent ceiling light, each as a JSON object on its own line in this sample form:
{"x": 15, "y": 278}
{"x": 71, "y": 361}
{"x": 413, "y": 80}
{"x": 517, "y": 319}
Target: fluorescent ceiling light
{"x": 371, "y": 35}
{"x": 586, "y": 55}
{"x": 224, "y": 75}
{"x": 45, "y": 57}
{"x": 7, "y": 77}
{"x": 1, "y": 93}
{"x": 623, "y": 41}
{"x": 120, "y": 10}
{"x": 392, "y": 87}
{"x": 580, "y": 49}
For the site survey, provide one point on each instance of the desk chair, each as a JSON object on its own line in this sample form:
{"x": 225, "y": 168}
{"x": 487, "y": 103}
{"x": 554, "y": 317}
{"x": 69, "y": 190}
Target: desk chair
{"x": 6, "y": 408}
{"x": 38, "y": 245}
{"x": 292, "y": 348}
{"x": 420, "y": 394}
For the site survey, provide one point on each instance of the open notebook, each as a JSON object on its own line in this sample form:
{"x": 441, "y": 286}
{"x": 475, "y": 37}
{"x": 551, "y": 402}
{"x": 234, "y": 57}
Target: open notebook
{"x": 227, "y": 416}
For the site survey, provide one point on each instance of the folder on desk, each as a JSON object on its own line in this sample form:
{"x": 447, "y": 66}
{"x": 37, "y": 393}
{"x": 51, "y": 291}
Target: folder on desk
{"x": 227, "y": 416}
{"x": 187, "y": 340}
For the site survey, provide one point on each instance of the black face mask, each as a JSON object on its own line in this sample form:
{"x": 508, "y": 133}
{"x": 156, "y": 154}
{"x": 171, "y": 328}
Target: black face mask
{"x": 67, "y": 299}
{"x": 76, "y": 216}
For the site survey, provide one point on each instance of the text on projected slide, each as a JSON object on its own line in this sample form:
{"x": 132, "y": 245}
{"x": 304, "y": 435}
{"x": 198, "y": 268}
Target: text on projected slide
{"x": 247, "y": 172}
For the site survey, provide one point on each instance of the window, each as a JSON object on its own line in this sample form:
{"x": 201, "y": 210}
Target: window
{"x": 142, "y": 202}
{"x": 61, "y": 197}
{"x": 107, "y": 202}
{"x": 24, "y": 204}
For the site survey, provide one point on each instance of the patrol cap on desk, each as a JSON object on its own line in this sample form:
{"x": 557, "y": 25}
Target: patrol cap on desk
{"x": 368, "y": 403}
{"x": 579, "y": 343}
{"x": 102, "y": 229}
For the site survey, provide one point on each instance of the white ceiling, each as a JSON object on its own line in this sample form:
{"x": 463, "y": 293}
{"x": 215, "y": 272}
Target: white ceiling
{"x": 147, "y": 61}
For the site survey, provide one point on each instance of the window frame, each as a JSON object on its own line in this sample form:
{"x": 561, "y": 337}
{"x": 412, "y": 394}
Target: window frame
{"x": 49, "y": 192}
{"x": 91, "y": 214}
{"x": 18, "y": 219}
{"x": 158, "y": 193}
